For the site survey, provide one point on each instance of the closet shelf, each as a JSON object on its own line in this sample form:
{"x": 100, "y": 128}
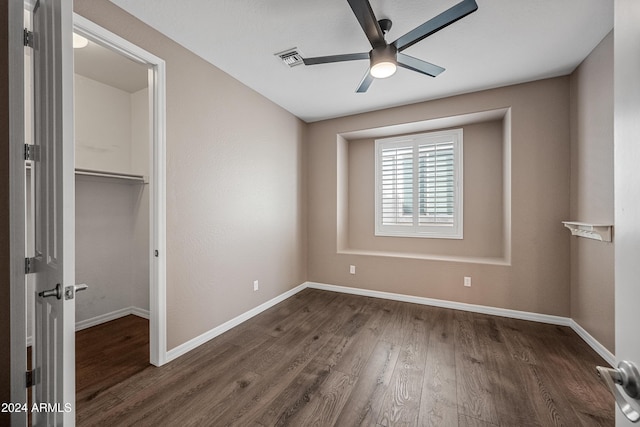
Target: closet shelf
{"x": 600, "y": 232}
{"x": 134, "y": 179}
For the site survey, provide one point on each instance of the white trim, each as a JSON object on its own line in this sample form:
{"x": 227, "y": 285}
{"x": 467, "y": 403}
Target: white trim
{"x": 593, "y": 343}
{"x": 140, "y": 312}
{"x": 158, "y": 226}
{"x": 157, "y": 182}
{"x": 483, "y": 309}
{"x": 112, "y": 41}
{"x": 178, "y": 351}
{"x": 107, "y": 317}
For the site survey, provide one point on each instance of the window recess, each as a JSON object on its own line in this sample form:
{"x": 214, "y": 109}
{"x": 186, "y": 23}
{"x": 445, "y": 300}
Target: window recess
{"x": 419, "y": 185}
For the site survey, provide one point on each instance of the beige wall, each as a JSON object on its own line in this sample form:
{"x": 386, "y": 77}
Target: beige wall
{"x": 532, "y": 276}
{"x": 140, "y": 155}
{"x": 235, "y": 187}
{"x": 592, "y": 262}
{"x": 102, "y": 125}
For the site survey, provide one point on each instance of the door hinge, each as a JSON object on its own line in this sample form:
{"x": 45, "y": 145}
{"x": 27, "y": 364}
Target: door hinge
{"x": 28, "y": 38}
{"x": 30, "y": 152}
{"x": 29, "y": 265}
{"x": 32, "y": 377}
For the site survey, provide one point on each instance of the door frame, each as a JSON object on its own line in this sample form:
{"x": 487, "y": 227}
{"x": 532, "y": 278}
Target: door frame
{"x": 157, "y": 177}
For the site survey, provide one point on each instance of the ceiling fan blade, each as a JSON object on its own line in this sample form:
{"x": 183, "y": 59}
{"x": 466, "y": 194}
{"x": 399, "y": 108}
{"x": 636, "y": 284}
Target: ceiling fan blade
{"x": 448, "y": 17}
{"x": 335, "y": 58}
{"x": 368, "y": 22}
{"x": 419, "y": 65}
{"x": 365, "y": 83}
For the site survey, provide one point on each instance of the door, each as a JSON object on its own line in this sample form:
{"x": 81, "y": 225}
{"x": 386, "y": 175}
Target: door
{"x": 627, "y": 186}
{"x": 54, "y": 392}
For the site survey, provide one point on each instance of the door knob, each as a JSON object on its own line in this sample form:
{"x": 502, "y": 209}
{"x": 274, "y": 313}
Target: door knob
{"x": 628, "y": 378}
{"x": 55, "y": 292}
{"x": 70, "y": 291}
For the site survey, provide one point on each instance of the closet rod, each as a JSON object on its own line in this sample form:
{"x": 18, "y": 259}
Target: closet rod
{"x": 88, "y": 172}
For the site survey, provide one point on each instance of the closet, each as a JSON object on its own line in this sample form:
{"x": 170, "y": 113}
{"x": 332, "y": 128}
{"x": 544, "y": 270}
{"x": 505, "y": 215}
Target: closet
{"x": 112, "y": 148}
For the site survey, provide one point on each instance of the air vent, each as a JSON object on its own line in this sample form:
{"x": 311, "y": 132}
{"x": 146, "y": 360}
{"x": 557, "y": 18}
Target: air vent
{"x": 290, "y": 57}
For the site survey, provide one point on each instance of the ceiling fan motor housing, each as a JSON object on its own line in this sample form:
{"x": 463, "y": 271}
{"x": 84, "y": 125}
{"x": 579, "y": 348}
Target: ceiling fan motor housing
{"x": 388, "y": 53}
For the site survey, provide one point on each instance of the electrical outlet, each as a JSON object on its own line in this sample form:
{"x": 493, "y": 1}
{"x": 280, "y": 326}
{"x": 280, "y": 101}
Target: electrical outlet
{"x": 352, "y": 269}
{"x": 467, "y": 282}
{"x": 256, "y": 285}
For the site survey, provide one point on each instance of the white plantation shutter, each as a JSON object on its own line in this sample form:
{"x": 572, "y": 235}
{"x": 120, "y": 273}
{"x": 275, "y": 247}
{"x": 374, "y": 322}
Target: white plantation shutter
{"x": 419, "y": 185}
{"x": 397, "y": 186}
{"x": 436, "y": 183}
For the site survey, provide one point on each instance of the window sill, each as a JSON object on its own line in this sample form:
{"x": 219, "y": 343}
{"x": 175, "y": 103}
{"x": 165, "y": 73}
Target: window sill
{"x": 503, "y": 261}
{"x": 452, "y": 236}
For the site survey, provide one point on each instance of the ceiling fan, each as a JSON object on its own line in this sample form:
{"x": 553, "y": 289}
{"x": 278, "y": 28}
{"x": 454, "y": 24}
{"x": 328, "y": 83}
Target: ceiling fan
{"x": 385, "y": 57}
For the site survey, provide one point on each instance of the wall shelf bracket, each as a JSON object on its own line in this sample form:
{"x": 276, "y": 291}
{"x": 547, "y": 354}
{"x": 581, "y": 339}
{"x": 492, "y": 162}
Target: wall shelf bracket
{"x": 602, "y": 232}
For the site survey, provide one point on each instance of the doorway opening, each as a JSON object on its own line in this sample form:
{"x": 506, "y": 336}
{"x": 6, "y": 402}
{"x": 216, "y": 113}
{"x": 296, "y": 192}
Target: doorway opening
{"x": 112, "y": 152}
{"x": 124, "y": 158}
{"x": 112, "y": 217}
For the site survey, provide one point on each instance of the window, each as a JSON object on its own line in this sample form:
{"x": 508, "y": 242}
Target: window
{"x": 419, "y": 185}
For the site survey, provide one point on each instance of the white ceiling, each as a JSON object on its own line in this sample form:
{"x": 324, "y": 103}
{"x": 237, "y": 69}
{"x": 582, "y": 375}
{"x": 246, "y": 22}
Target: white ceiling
{"x": 503, "y": 42}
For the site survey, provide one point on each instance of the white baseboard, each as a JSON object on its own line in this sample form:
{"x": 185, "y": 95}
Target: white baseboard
{"x": 494, "y": 311}
{"x": 218, "y": 330}
{"x": 103, "y": 318}
{"x": 140, "y": 312}
{"x": 107, "y": 317}
{"x": 594, "y": 344}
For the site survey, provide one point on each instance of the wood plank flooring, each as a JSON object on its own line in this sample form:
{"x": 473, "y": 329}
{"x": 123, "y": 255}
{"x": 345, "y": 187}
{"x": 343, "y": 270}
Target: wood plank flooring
{"x": 324, "y": 359}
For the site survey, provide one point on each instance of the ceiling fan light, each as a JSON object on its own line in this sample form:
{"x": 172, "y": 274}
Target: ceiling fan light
{"x": 383, "y": 61}
{"x": 384, "y": 69}
{"x": 79, "y": 42}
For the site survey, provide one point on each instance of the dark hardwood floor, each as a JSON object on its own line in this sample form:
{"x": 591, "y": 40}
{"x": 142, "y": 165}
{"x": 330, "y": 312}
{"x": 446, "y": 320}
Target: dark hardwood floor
{"x": 323, "y": 359}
